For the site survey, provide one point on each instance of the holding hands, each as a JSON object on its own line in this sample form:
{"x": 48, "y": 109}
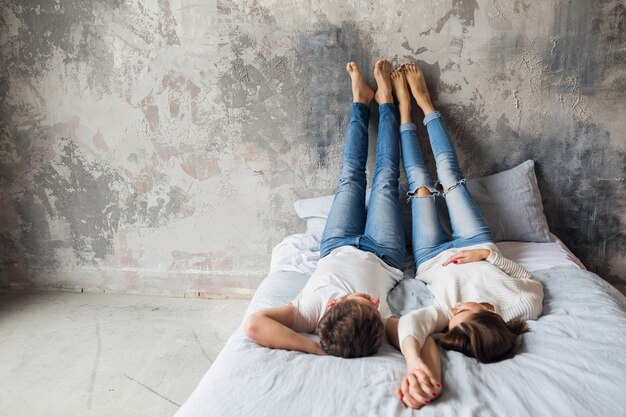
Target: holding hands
{"x": 419, "y": 387}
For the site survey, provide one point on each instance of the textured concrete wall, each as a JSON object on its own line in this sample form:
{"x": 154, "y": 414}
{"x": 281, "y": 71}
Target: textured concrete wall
{"x": 158, "y": 146}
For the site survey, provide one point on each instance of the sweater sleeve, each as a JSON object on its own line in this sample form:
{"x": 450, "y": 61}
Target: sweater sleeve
{"x": 509, "y": 267}
{"x": 421, "y": 323}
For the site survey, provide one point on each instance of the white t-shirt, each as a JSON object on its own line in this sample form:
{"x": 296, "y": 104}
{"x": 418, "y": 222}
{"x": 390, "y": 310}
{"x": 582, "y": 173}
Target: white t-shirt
{"x": 343, "y": 271}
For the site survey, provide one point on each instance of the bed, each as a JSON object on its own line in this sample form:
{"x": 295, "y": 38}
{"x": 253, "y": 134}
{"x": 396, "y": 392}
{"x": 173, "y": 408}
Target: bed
{"x": 572, "y": 363}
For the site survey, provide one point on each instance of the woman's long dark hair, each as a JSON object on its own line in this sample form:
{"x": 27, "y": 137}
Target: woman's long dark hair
{"x": 485, "y": 336}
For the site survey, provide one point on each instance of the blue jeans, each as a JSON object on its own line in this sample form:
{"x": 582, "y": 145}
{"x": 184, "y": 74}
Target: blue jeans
{"x": 468, "y": 226}
{"x": 380, "y": 230}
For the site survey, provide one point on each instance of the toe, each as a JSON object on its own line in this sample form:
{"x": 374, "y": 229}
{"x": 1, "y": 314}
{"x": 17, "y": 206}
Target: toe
{"x": 352, "y": 67}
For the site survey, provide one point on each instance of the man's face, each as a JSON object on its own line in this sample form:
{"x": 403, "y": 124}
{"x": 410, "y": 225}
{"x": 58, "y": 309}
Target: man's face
{"x": 360, "y": 298}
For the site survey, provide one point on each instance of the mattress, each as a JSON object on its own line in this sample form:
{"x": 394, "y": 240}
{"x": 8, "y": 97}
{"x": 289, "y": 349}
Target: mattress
{"x": 572, "y": 363}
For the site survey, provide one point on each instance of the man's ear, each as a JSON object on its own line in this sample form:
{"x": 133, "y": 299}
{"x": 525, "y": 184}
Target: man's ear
{"x": 332, "y": 303}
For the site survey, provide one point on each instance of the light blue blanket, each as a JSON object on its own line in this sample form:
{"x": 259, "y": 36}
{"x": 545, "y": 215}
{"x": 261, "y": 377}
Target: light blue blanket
{"x": 572, "y": 363}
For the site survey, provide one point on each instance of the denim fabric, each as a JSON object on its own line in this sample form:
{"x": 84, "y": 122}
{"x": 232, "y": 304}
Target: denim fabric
{"x": 380, "y": 230}
{"x": 468, "y": 226}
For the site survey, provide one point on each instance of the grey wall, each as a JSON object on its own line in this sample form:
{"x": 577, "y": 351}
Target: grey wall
{"x": 158, "y": 146}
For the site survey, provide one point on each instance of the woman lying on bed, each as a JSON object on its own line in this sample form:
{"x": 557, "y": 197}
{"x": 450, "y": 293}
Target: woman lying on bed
{"x": 344, "y": 301}
{"x": 480, "y": 297}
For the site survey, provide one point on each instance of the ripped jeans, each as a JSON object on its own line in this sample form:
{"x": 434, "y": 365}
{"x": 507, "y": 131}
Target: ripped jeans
{"x": 380, "y": 229}
{"x": 468, "y": 226}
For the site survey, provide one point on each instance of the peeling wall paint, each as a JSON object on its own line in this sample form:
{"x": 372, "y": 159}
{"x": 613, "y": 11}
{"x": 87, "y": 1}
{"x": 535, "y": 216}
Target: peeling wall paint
{"x": 157, "y": 147}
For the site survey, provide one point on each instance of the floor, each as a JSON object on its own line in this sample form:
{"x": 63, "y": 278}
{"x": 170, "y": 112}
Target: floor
{"x": 107, "y": 355}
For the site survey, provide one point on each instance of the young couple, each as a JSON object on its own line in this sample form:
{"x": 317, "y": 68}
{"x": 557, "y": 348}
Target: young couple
{"x": 481, "y": 299}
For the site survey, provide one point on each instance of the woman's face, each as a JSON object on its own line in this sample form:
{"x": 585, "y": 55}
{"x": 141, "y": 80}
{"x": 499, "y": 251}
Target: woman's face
{"x": 462, "y": 311}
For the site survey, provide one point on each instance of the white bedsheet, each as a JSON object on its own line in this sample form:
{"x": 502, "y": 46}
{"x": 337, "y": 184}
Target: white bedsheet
{"x": 300, "y": 253}
{"x": 572, "y": 363}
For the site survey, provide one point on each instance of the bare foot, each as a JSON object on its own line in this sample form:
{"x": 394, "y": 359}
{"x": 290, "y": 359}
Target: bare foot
{"x": 415, "y": 78}
{"x": 361, "y": 92}
{"x": 382, "y": 73}
{"x": 401, "y": 90}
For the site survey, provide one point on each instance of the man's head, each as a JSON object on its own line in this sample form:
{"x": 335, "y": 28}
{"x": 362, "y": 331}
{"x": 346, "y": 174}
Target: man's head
{"x": 476, "y": 330}
{"x": 352, "y": 327}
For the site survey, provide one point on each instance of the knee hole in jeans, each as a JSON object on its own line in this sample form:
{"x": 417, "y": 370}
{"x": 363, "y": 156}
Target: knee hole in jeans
{"x": 422, "y": 191}
{"x": 453, "y": 186}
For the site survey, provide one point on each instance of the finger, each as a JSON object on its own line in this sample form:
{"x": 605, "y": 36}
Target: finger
{"x": 452, "y": 259}
{"x": 410, "y": 402}
{"x": 406, "y": 397}
{"x": 463, "y": 259}
{"x": 404, "y": 386}
{"x": 432, "y": 384}
{"x": 399, "y": 394}
{"x": 428, "y": 388}
{"x": 416, "y": 391}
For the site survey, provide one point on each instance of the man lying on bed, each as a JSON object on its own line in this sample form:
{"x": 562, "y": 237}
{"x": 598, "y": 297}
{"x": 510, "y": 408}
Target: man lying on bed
{"x": 344, "y": 301}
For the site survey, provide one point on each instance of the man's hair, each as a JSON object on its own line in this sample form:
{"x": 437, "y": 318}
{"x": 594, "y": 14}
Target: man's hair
{"x": 351, "y": 330}
{"x": 484, "y": 336}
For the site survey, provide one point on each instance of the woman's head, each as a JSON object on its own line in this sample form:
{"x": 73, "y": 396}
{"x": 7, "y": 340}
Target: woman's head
{"x": 476, "y": 330}
{"x": 352, "y": 327}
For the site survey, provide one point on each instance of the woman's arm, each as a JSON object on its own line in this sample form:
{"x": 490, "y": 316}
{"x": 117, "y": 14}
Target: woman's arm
{"x": 272, "y": 328}
{"x": 422, "y": 382}
{"x": 509, "y": 267}
{"x": 467, "y": 256}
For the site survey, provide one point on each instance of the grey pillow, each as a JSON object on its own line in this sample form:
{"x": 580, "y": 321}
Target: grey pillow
{"x": 511, "y": 204}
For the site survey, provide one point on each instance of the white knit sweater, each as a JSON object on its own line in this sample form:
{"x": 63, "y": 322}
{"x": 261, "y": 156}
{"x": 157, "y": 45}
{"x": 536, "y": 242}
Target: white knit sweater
{"x": 497, "y": 280}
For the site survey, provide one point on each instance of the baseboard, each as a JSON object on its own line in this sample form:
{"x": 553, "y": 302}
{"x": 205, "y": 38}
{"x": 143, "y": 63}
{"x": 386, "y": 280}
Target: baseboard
{"x": 170, "y": 284}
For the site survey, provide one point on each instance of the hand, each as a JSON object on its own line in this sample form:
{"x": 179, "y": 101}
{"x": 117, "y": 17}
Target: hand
{"x": 467, "y": 256}
{"x": 317, "y": 350}
{"x": 419, "y": 387}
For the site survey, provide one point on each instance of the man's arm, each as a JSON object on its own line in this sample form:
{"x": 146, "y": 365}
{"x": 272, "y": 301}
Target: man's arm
{"x": 272, "y": 328}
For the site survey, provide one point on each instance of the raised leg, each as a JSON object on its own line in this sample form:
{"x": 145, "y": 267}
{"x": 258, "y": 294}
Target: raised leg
{"x": 468, "y": 226}
{"x": 346, "y": 220}
{"x": 384, "y": 231}
{"x": 427, "y": 234}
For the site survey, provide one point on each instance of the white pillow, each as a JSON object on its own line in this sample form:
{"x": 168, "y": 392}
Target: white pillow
{"x": 315, "y": 211}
